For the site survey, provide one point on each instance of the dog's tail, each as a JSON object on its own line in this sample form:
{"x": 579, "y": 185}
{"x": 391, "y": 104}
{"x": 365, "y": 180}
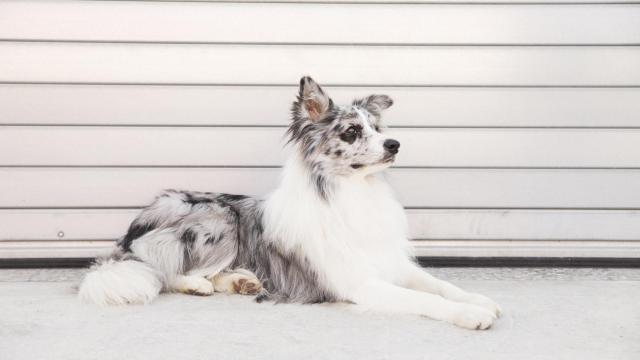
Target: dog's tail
{"x": 114, "y": 281}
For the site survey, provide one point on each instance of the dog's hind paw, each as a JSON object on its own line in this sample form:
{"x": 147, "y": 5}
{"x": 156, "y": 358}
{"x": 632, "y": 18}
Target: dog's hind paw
{"x": 194, "y": 285}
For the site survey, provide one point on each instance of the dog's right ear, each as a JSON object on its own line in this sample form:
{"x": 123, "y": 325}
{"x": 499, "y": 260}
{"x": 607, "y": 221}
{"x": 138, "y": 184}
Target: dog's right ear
{"x": 312, "y": 103}
{"x": 374, "y": 104}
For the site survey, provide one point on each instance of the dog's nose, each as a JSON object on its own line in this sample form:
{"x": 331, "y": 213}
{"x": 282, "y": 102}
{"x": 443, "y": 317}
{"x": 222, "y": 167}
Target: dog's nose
{"x": 391, "y": 145}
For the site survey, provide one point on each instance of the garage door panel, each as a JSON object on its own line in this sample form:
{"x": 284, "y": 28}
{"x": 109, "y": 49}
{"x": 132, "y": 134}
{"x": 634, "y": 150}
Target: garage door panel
{"x": 24, "y": 104}
{"x": 433, "y": 188}
{"x": 330, "y": 65}
{"x": 350, "y": 24}
{"x": 518, "y": 121}
{"x": 433, "y": 224}
{"x": 239, "y": 146}
{"x": 528, "y": 249}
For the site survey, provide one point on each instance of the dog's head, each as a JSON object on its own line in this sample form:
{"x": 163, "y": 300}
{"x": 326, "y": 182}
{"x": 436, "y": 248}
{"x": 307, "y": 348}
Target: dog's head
{"x": 340, "y": 140}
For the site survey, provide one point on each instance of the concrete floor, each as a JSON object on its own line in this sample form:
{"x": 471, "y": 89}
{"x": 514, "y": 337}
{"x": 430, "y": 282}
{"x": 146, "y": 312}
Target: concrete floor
{"x": 549, "y": 314}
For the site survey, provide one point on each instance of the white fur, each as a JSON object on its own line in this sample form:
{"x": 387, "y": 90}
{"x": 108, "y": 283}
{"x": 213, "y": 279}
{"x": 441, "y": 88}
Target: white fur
{"x": 120, "y": 282}
{"x": 359, "y": 234}
{"x": 192, "y": 285}
{"x": 357, "y": 244}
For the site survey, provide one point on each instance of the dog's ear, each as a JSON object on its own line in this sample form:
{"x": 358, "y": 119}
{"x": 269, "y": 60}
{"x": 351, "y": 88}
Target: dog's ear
{"x": 374, "y": 103}
{"x": 312, "y": 103}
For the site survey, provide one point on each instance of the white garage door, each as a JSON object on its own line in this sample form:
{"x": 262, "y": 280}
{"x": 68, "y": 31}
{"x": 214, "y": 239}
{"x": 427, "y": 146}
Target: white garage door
{"x": 519, "y": 122}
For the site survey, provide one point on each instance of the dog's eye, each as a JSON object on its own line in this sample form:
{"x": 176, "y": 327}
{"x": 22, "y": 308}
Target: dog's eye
{"x": 350, "y": 135}
{"x": 377, "y": 128}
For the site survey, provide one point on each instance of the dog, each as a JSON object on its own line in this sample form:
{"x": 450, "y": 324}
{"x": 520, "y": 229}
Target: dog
{"x": 332, "y": 231}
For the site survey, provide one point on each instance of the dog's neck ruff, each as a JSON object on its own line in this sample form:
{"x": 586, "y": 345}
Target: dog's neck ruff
{"x": 359, "y": 226}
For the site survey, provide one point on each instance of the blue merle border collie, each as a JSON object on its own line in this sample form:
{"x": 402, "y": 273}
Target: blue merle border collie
{"x": 331, "y": 231}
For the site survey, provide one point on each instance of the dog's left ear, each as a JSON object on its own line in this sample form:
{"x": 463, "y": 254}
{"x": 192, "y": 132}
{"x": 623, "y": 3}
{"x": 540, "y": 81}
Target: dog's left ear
{"x": 312, "y": 103}
{"x": 374, "y": 103}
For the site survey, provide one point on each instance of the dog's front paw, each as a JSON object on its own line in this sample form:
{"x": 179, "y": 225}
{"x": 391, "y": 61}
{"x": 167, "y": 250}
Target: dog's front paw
{"x": 486, "y": 303}
{"x": 473, "y": 317}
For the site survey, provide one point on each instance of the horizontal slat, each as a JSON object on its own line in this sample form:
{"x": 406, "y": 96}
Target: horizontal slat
{"x": 54, "y": 249}
{"x": 437, "y": 224}
{"x": 224, "y": 146}
{"x": 218, "y": 105}
{"x": 562, "y": 249}
{"x": 76, "y": 224}
{"x": 141, "y": 146}
{"x": 524, "y": 224}
{"x": 529, "y": 249}
{"x": 135, "y": 187}
{"x": 340, "y": 23}
{"x": 282, "y": 64}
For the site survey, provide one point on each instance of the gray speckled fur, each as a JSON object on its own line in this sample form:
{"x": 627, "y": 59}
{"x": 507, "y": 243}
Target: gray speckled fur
{"x": 321, "y": 142}
{"x": 217, "y": 232}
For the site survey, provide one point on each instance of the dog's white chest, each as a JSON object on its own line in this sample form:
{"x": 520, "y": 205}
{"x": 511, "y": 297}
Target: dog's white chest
{"x": 375, "y": 223}
{"x": 362, "y": 234}
{"x": 358, "y": 233}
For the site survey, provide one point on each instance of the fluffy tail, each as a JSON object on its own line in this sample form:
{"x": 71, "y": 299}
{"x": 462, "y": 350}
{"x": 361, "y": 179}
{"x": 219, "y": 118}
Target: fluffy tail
{"x": 115, "y": 282}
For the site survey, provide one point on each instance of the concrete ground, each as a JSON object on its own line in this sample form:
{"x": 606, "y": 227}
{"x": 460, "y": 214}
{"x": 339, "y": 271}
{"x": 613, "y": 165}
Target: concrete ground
{"x": 548, "y": 314}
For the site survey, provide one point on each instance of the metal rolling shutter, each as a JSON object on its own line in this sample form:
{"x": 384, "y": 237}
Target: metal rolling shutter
{"x": 520, "y": 123}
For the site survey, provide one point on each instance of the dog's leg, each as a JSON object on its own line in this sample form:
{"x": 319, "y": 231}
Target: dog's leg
{"x": 238, "y": 281}
{"x": 192, "y": 285}
{"x": 418, "y": 279}
{"x": 381, "y": 296}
